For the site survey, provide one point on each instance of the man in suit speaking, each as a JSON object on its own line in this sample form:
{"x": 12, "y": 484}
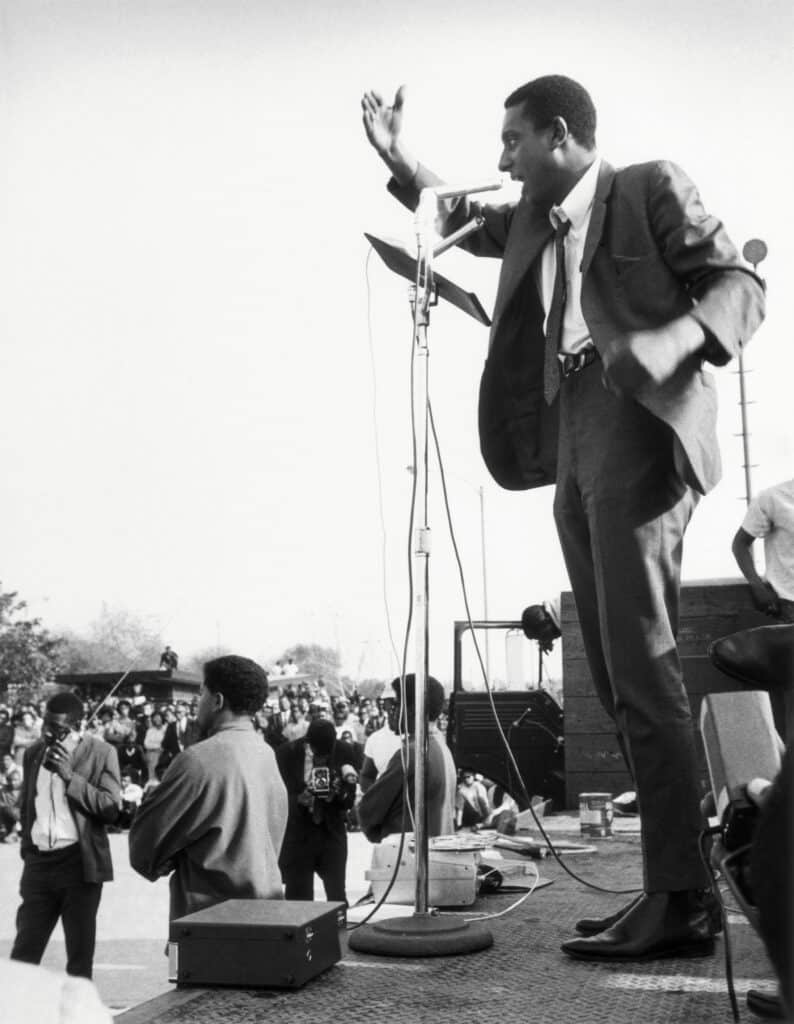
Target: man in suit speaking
{"x": 615, "y": 287}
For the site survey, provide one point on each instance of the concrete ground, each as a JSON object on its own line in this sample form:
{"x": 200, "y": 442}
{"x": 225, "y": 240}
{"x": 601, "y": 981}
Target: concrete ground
{"x": 523, "y": 976}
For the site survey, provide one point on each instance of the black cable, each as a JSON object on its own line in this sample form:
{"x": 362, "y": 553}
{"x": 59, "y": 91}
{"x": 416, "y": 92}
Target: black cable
{"x": 715, "y": 889}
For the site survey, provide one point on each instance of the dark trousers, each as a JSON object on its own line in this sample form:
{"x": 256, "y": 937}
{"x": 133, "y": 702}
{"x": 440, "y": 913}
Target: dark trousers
{"x": 52, "y": 887}
{"x": 322, "y": 852}
{"x": 621, "y": 510}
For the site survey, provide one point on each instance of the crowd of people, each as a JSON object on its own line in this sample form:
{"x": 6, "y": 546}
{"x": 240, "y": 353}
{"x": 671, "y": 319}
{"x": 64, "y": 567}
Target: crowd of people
{"x": 147, "y": 734}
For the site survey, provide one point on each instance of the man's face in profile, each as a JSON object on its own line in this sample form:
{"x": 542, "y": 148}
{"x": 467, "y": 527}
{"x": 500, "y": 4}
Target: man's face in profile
{"x": 391, "y": 705}
{"x": 526, "y": 154}
{"x": 205, "y": 713}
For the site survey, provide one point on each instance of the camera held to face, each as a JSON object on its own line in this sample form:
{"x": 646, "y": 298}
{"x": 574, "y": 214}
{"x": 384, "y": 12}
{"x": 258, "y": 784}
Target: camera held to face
{"x": 321, "y": 781}
{"x": 53, "y": 736}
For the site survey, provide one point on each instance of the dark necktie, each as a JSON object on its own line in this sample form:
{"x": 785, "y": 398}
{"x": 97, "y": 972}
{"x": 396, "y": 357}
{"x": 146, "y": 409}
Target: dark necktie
{"x": 551, "y": 363}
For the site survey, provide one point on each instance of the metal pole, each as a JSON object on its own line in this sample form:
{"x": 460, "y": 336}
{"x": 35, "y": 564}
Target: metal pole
{"x": 748, "y": 486}
{"x": 484, "y": 584}
{"x": 421, "y": 387}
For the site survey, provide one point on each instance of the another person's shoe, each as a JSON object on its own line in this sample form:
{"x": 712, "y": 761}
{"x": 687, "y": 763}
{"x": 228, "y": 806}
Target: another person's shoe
{"x": 765, "y": 1005}
{"x": 658, "y": 925}
{"x": 763, "y": 657}
{"x": 596, "y": 925}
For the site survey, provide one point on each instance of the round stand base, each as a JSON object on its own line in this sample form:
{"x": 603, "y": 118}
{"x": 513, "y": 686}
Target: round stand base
{"x": 420, "y": 935}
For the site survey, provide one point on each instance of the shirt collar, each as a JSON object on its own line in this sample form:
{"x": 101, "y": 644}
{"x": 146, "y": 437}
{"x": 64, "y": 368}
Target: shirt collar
{"x": 577, "y": 204}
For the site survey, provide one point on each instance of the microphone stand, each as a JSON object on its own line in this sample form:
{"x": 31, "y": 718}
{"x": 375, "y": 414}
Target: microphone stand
{"x": 425, "y": 933}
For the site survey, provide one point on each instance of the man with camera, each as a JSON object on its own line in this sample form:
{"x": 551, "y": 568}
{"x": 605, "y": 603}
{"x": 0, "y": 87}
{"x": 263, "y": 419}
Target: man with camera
{"x": 71, "y": 792}
{"x": 321, "y": 785}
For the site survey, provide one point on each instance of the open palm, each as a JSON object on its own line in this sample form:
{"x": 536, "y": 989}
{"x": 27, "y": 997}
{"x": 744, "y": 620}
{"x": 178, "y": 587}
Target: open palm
{"x": 382, "y": 123}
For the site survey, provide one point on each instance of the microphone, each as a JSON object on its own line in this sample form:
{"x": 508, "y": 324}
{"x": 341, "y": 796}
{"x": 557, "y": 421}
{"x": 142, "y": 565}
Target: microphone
{"x": 453, "y": 191}
{"x": 429, "y": 198}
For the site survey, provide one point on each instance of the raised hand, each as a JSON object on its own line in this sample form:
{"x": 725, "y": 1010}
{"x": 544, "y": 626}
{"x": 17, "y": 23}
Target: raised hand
{"x": 382, "y": 123}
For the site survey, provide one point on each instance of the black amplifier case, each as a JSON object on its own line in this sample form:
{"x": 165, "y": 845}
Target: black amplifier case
{"x": 255, "y": 943}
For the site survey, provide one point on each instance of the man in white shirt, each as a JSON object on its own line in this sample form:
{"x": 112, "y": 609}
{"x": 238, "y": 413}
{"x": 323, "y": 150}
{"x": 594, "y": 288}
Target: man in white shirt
{"x": 70, "y": 794}
{"x": 378, "y": 750}
{"x": 770, "y": 516}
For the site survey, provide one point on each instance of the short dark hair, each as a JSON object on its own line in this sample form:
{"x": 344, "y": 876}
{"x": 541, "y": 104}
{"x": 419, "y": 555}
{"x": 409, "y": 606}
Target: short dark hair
{"x": 66, "y": 704}
{"x": 242, "y": 682}
{"x": 434, "y": 695}
{"x": 552, "y": 96}
{"x": 321, "y": 736}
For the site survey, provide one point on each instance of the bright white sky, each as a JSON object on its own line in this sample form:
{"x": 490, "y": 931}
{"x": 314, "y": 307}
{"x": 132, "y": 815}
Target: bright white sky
{"x": 187, "y": 379}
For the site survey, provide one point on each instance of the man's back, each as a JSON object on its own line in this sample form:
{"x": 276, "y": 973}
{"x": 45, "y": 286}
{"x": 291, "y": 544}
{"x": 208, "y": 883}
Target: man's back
{"x": 217, "y": 819}
{"x": 380, "y": 811}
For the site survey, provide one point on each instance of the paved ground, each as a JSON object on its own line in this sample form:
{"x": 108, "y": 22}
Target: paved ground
{"x": 130, "y": 965}
{"x": 522, "y": 977}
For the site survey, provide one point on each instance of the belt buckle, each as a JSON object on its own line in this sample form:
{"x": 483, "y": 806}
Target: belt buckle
{"x": 576, "y": 362}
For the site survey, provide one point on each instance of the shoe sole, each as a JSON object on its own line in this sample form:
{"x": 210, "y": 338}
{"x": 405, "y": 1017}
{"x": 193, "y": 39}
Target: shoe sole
{"x": 589, "y": 932}
{"x": 689, "y": 951}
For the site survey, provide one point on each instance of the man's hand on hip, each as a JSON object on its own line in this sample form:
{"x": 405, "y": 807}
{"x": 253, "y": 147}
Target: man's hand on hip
{"x": 645, "y": 360}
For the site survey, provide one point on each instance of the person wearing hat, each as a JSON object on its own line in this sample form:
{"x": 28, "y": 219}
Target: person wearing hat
{"x": 71, "y": 793}
{"x": 321, "y": 786}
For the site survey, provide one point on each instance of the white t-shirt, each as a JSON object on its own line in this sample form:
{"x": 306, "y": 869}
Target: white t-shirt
{"x": 380, "y": 746}
{"x": 771, "y": 516}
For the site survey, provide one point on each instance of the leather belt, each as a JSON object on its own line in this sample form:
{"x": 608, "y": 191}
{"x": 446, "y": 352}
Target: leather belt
{"x": 573, "y": 364}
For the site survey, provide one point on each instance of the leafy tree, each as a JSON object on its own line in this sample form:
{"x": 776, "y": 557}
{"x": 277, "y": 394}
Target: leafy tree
{"x": 29, "y": 654}
{"x": 315, "y": 660}
{"x": 116, "y": 641}
{"x": 196, "y": 661}
{"x": 373, "y": 687}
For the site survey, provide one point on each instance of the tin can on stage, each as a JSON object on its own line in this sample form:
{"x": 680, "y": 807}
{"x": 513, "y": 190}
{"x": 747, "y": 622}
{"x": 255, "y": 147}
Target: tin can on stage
{"x": 595, "y": 814}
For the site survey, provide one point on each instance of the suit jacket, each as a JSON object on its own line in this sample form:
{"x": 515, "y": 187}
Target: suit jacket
{"x": 291, "y": 758}
{"x": 94, "y": 796}
{"x": 652, "y": 254}
{"x": 174, "y": 742}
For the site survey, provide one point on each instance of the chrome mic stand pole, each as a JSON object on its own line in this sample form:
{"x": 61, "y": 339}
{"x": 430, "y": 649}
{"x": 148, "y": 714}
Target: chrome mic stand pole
{"x": 425, "y": 933}
{"x": 421, "y": 302}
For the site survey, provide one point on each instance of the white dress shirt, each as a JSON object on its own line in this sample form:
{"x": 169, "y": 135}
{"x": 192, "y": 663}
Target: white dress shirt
{"x": 54, "y": 827}
{"x": 576, "y": 208}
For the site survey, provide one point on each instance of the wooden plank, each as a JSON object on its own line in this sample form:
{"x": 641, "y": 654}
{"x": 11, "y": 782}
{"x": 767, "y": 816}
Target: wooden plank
{"x": 709, "y": 609}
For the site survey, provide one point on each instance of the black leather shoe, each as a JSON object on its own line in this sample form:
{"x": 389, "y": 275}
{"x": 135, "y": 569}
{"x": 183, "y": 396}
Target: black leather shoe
{"x": 596, "y": 925}
{"x": 763, "y": 657}
{"x": 660, "y": 924}
{"x": 765, "y": 1005}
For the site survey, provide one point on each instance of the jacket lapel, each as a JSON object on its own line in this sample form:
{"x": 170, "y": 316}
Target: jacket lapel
{"x": 529, "y": 232}
{"x": 606, "y": 175}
